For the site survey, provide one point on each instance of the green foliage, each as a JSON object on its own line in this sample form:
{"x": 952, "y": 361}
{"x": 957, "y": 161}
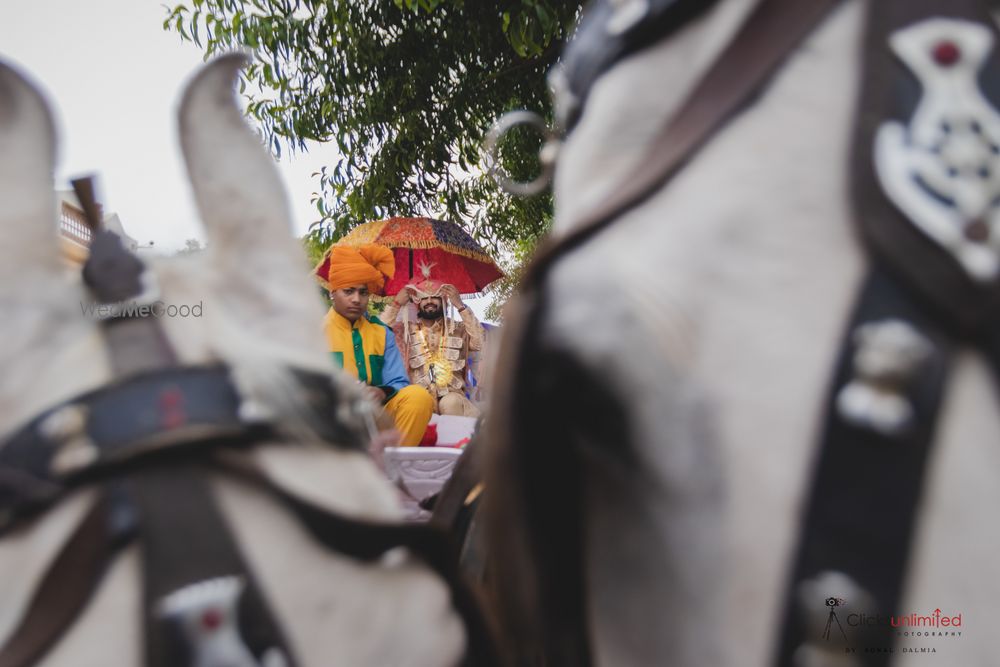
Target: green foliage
{"x": 513, "y": 266}
{"x": 406, "y": 89}
{"x": 314, "y": 249}
{"x": 314, "y": 253}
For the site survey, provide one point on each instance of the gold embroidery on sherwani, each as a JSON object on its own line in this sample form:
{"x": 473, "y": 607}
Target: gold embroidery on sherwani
{"x": 437, "y": 360}
{"x": 437, "y": 364}
{"x": 444, "y": 340}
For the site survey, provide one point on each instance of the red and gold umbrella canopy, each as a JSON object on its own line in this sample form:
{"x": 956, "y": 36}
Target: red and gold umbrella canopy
{"x": 453, "y": 255}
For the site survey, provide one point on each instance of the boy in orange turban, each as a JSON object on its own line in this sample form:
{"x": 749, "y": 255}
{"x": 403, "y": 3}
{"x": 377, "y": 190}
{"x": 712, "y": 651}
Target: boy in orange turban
{"x": 363, "y": 346}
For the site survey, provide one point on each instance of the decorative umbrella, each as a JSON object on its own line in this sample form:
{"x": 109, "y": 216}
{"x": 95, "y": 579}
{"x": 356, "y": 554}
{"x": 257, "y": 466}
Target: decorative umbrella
{"x": 453, "y": 255}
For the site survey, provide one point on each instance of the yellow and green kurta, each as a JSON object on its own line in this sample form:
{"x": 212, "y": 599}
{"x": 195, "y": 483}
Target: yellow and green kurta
{"x": 367, "y": 350}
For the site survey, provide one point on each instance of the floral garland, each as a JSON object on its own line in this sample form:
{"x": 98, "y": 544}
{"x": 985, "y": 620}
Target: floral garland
{"x": 438, "y": 367}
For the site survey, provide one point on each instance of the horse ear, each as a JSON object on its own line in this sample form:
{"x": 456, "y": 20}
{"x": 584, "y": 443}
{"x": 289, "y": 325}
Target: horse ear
{"x": 43, "y": 325}
{"x": 29, "y": 244}
{"x": 260, "y": 270}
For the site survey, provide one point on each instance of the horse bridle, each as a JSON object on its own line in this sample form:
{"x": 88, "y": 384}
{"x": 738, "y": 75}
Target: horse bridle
{"x": 146, "y": 442}
{"x": 865, "y": 551}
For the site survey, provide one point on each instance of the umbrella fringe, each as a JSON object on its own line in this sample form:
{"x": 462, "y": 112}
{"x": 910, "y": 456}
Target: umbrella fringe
{"x": 422, "y": 245}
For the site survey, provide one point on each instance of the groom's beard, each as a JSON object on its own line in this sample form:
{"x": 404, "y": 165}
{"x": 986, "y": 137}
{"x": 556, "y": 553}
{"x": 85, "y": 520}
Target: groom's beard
{"x": 430, "y": 313}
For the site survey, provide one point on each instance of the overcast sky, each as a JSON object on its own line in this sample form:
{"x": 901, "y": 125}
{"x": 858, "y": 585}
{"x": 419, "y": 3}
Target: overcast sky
{"x": 114, "y": 77}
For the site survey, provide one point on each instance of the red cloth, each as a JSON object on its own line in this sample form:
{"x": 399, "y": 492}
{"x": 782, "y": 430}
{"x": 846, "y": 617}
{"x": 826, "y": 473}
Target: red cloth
{"x": 430, "y": 436}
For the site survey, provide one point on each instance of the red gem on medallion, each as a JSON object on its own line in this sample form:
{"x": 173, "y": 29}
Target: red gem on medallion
{"x": 946, "y": 53}
{"x": 211, "y": 619}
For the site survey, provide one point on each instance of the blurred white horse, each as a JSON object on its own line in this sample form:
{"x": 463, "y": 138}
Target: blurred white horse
{"x": 260, "y": 315}
{"x": 710, "y": 315}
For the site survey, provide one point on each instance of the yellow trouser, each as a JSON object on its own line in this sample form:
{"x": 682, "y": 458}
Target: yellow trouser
{"x": 411, "y": 409}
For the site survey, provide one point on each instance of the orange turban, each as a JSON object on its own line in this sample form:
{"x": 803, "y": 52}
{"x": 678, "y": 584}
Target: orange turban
{"x": 368, "y": 265}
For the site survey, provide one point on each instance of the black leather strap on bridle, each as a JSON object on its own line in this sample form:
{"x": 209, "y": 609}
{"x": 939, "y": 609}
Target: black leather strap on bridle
{"x": 145, "y": 442}
{"x": 891, "y": 92}
{"x": 772, "y": 30}
{"x": 455, "y": 509}
{"x": 368, "y": 540}
{"x": 179, "y": 548}
{"x": 155, "y": 413}
{"x": 859, "y": 521}
{"x": 603, "y": 39}
{"x": 156, "y": 406}
{"x": 114, "y": 426}
{"x": 860, "y": 516}
{"x": 186, "y": 541}
{"x": 67, "y": 584}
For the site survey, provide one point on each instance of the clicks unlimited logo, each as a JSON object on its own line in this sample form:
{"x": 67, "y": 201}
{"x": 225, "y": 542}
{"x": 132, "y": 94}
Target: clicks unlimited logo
{"x": 913, "y": 630}
{"x": 938, "y": 619}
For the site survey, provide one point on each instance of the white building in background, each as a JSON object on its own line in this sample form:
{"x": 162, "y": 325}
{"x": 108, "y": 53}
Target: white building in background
{"x": 75, "y": 234}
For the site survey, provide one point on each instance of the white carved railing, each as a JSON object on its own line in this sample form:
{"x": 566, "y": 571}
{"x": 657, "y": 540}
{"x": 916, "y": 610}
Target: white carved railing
{"x": 420, "y": 472}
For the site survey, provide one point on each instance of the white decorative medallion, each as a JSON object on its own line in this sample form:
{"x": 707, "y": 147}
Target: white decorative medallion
{"x": 943, "y": 169}
{"x": 206, "y": 613}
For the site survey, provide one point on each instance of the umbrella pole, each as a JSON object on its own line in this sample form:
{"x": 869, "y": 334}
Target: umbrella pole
{"x": 411, "y": 263}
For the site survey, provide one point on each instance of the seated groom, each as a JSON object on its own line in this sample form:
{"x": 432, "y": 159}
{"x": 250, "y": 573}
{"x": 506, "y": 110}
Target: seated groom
{"x": 437, "y": 346}
{"x": 366, "y": 348}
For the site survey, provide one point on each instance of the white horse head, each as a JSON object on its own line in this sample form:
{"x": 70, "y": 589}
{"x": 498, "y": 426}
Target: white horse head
{"x": 260, "y": 316}
{"x": 686, "y": 353}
